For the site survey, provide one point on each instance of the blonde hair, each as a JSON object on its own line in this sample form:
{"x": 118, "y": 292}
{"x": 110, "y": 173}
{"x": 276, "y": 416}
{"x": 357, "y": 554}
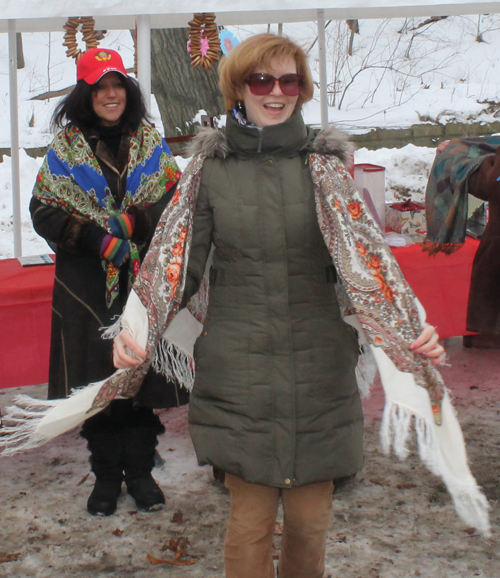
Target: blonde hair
{"x": 253, "y": 53}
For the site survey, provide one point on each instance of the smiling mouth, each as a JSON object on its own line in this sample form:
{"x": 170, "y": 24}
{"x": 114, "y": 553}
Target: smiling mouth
{"x": 275, "y": 106}
{"x": 110, "y": 105}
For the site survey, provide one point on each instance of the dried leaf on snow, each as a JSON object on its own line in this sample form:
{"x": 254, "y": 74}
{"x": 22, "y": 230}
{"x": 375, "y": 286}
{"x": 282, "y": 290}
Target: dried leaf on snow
{"x": 173, "y": 562}
{"x": 380, "y": 481}
{"x": 83, "y": 480}
{"x": 5, "y": 557}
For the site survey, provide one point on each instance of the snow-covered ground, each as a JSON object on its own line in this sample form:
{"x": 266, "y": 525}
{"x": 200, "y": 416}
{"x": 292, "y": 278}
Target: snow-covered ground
{"x": 394, "y": 520}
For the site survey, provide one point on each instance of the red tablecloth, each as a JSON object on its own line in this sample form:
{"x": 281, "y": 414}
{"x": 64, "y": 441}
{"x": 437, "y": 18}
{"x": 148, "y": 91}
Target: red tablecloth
{"x": 441, "y": 283}
{"x": 25, "y": 312}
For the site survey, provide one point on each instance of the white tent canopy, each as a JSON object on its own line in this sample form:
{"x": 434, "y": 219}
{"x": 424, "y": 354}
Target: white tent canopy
{"x": 38, "y": 16}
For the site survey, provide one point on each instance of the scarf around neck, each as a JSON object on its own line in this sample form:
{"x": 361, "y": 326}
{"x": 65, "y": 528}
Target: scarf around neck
{"x": 71, "y": 178}
{"x": 377, "y": 300}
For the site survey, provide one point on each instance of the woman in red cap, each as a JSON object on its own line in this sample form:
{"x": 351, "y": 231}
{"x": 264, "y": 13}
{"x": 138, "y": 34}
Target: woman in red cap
{"x": 103, "y": 184}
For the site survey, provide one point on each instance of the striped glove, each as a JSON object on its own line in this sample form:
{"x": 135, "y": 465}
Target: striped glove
{"x": 122, "y": 225}
{"x": 114, "y": 250}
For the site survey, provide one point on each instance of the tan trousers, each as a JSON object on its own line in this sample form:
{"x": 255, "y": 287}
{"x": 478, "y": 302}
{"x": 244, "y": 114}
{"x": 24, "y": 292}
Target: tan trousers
{"x": 251, "y": 523}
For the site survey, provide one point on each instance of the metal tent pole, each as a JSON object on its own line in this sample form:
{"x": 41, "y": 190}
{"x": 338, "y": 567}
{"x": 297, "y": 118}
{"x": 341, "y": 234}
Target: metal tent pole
{"x": 14, "y": 139}
{"x": 144, "y": 57}
{"x": 323, "y": 80}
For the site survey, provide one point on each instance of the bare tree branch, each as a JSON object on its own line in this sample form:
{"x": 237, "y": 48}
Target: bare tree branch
{"x": 316, "y": 39}
{"x": 431, "y": 20}
{"x": 53, "y": 93}
{"x": 61, "y": 92}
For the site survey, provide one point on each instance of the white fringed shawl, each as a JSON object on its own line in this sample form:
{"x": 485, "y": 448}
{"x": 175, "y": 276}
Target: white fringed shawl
{"x": 371, "y": 287}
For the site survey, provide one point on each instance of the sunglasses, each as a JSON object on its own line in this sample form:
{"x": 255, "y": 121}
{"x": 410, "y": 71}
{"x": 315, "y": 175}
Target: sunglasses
{"x": 262, "y": 83}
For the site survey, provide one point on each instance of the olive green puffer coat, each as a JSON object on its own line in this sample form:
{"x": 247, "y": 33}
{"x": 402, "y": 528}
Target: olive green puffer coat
{"x": 275, "y": 400}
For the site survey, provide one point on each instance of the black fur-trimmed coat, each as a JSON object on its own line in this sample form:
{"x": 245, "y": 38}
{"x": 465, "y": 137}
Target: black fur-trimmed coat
{"x": 78, "y": 354}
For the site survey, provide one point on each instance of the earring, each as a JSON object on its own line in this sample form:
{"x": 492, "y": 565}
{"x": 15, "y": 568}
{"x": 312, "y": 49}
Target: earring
{"x": 239, "y": 113}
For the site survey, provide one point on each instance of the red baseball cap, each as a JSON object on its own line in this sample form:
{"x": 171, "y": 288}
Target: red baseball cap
{"x": 97, "y": 62}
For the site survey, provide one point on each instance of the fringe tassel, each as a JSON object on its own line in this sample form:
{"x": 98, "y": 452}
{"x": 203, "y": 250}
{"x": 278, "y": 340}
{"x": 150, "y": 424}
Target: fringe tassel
{"x": 25, "y": 417}
{"x": 428, "y": 448}
{"x": 113, "y": 330}
{"x": 32, "y": 422}
{"x": 469, "y": 501}
{"x": 174, "y": 364}
{"x": 395, "y": 430}
{"x": 366, "y": 370}
{"x": 433, "y": 248}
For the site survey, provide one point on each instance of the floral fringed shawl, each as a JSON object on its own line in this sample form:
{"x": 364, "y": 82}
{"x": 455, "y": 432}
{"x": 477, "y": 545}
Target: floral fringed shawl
{"x": 373, "y": 290}
{"x": 447, "y": 191}
{"x": 70, "y": 178}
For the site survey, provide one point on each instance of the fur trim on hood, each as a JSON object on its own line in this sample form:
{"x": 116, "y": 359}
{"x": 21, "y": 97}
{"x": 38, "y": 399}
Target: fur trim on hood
{"x": 329, "y": 141}
{"x": 208, "y": 142}
{"x": 333, "y": 142}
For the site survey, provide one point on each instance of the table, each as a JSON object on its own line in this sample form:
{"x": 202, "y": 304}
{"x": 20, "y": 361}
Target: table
{"x": 25, "y": 318}
{"x": 441, "y": 283}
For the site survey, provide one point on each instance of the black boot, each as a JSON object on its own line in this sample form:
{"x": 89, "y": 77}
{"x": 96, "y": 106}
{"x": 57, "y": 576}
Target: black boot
{"x": 104, "y": 497}
{"x": 219, "y": 475}
{"x": 107, "y": 461}
{"x": 140, "y": 444}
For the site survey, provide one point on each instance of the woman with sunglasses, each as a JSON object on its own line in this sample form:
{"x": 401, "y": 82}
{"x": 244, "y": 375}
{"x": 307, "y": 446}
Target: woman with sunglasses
{"x": 275, "y": 403}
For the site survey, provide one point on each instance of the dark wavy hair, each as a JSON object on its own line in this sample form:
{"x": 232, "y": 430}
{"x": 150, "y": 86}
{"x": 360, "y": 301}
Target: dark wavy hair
{"x": 76, "y": 108}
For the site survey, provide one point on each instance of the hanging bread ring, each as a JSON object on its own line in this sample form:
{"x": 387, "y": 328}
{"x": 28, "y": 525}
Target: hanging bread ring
{"x": 87, "y": 24}
{"x": 204, "y": 43}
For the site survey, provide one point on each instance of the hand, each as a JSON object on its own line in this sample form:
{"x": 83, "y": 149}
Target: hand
{"x": 126, "y": 351}
{"x": 427, "y": 344}
{"x": 443, "y": 145}
{"x": 121, "y": 226}
{"x": 115, "y": 250}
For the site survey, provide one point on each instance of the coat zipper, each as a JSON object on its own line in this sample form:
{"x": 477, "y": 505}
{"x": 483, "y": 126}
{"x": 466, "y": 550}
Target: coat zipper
{"x": 261, "y": 138}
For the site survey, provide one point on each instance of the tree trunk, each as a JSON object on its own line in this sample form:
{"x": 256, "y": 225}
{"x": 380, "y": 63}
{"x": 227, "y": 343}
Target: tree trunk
{"x": 20, "y": 51}
{"x": 181, "y": 90}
